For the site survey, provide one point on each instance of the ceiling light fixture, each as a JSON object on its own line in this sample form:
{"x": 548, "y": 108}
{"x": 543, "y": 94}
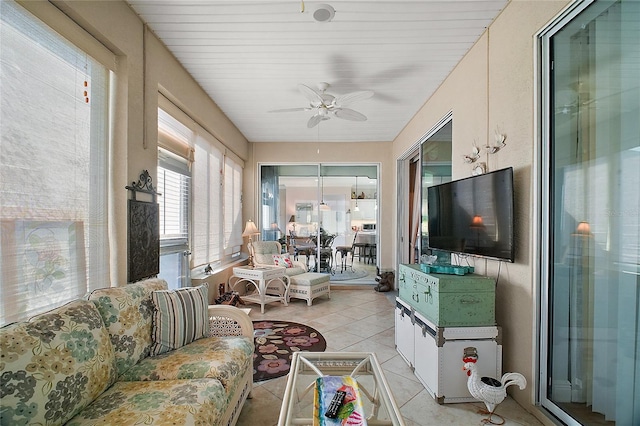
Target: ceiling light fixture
{"x": 356, "y": 208}
{"x": 324, "y": 13}
{"x": 323, "y": 206}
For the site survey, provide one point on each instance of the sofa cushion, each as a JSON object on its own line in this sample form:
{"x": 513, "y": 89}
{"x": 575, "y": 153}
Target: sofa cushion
{"x": 222, "y": 358}
{"x": 263, "y": 251}
{"x": 282, "y": 260}
{"x": 169, "y": 402}
{"x": 179, "y": 317}
{"x": 127, "y": 312}
{"x": 296, "y": 270}
{"x": 54, "y": 365}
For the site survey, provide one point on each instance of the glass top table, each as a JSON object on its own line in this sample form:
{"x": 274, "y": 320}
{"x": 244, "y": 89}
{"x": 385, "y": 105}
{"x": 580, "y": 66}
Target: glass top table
{"x": 378, "y": 402}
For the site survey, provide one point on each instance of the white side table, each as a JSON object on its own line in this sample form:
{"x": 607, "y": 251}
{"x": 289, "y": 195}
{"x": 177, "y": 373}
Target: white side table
{"x": 259, "y": 278}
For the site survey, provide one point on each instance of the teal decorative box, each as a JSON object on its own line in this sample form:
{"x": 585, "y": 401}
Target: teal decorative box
{"x": 449, "y": 300}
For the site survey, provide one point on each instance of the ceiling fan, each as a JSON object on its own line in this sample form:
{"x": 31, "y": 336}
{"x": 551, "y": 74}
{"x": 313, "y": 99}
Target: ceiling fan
{"x": 326, "y": 105}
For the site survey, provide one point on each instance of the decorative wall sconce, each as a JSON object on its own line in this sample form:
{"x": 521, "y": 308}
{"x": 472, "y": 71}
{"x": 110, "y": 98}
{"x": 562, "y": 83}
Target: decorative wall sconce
{"x": 475, "y": 154}
{"x": 479, "y": 169}
{"x": 497, "y": 144}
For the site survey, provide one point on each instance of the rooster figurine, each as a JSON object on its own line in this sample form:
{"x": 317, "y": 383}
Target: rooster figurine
{"x": 487, "y": 389}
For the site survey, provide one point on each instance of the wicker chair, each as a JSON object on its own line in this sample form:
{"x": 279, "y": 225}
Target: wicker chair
{"x": 263, "y": 251}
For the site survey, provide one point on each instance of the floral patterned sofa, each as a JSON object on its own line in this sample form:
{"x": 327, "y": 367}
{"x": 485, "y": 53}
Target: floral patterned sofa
{"x": 88, "y": 362}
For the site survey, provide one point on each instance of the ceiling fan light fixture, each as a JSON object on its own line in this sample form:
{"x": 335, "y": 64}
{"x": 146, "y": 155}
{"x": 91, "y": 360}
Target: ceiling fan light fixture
{"x": 324, "y": 13}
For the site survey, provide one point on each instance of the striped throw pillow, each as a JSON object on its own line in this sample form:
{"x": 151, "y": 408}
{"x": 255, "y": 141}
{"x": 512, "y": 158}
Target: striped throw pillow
{"x": 180, "y": 317}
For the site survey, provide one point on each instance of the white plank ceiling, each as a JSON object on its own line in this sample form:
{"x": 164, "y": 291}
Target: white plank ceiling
{"x": 250, "y": 56}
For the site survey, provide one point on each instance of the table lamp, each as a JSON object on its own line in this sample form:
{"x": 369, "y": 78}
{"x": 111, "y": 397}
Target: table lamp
{"x": 250, "y": 229}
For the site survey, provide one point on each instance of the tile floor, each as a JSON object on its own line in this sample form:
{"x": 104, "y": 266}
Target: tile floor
{"x": 363, "y": 320}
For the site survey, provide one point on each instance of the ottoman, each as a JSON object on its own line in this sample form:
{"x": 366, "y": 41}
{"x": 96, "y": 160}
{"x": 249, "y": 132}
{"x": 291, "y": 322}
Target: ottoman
{"x": 309, "y": 285}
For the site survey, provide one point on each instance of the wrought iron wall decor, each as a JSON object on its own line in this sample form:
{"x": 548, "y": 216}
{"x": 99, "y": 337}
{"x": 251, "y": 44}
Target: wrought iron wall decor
{"x": 144, "y": 231}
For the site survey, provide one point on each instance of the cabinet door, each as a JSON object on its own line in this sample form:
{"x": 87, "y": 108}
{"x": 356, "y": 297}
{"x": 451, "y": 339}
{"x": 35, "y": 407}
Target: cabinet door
{"x": 404, "y": 335}
{"x": 427, "y": 363}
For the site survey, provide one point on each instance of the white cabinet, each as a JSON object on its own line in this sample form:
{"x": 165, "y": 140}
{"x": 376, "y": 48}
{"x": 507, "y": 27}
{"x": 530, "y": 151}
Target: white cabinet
{"x": 435, "y": 353}
{"x": 404, "y": 333}
{"x": 367, "y": 208}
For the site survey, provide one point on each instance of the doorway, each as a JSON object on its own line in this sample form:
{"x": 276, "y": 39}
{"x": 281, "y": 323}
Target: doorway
{"x": 427, "y": 163}
{"x": 304, "y": 204}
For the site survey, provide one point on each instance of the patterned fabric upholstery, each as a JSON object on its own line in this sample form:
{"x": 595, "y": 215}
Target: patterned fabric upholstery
{"x": 66, "y": 366}
{"x": 180, "y": 317}
{"x": 54, "y": 365}
{"x": 222, "y": 358}
{"x": 263, "y": 252}
{"x": 127, "y": 312}
{"x": 176, "y": 402}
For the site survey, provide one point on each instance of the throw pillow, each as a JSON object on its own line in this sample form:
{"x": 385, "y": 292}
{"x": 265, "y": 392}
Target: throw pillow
{"x": 282, "y": 260}
{"x": 180, "y": 317}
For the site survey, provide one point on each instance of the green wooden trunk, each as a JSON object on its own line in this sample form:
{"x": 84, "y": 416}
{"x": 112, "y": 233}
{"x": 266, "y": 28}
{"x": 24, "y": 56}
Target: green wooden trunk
{"x": 449, "y": 300}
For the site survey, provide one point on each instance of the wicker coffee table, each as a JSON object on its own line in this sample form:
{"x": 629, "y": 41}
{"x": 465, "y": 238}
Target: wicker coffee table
{"x": 379, "y": 405}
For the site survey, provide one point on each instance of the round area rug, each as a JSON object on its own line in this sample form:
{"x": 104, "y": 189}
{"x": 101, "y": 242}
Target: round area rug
{"x": 348, "y": 274}
{"x": 275, "y": 343}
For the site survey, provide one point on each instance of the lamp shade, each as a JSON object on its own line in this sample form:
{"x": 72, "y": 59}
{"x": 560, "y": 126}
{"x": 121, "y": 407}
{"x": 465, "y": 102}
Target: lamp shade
{"x": 250, "y": 229}
{"x": 477, "y": 222}
{"x": 583, "y": 228}
{"x": 292, "y": 219}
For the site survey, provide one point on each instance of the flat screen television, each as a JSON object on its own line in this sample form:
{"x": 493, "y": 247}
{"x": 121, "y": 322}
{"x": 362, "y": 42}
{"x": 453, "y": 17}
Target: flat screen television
{"x": 473, "y": 215}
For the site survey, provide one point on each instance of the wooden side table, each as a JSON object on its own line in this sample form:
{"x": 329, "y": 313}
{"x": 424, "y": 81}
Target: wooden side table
{"x": 259, "y": 278}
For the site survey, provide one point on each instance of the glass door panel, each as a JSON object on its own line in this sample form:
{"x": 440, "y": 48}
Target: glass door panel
{"x": 593, "y": 319}
{"x": 436, "y": 169}
{"x": 319, "y": 199}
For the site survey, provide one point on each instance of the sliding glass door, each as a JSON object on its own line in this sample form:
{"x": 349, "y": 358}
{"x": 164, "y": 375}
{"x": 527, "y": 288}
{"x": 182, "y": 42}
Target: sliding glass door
{"x": 310, "y": 200}
{"x": 590, "y": 333}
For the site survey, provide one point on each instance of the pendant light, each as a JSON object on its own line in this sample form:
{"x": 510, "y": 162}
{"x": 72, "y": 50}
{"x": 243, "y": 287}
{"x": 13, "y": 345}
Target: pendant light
{"x": 324, "y": 207}
{"x": 356, "y": 208}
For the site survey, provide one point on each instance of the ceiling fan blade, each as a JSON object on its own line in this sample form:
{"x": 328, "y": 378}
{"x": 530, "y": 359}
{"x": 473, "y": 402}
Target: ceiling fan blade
{"x": 314, "y": 120}
{"x": 290, "y": 109}
{"x": 349, "y": 114}
{"x": 313, "y": 96}
{"x": 352, "y": 97}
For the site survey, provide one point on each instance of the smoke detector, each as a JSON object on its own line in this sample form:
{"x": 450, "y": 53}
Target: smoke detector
{"x": 324, "y": 13}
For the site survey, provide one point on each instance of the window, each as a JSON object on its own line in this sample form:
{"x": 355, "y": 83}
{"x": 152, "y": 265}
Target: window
{"x": 216, "y": 185}
{"x": 174, "y": 183}
{"x": 54, "y": 143}
{"x": 207, "y": 215}
{"x": 232, "y": 206}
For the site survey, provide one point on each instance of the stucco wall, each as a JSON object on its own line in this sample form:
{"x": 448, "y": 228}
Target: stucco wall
{"x": 493, "y": 88}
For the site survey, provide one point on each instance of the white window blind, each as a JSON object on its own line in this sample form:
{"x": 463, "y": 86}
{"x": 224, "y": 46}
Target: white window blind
{"x": 232, "y": 206}
{"x": 216, "y": 227}
{"x": 54, "y": 143}
{"x": 174, "y": 185}
{"x": 207, "y": 200}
